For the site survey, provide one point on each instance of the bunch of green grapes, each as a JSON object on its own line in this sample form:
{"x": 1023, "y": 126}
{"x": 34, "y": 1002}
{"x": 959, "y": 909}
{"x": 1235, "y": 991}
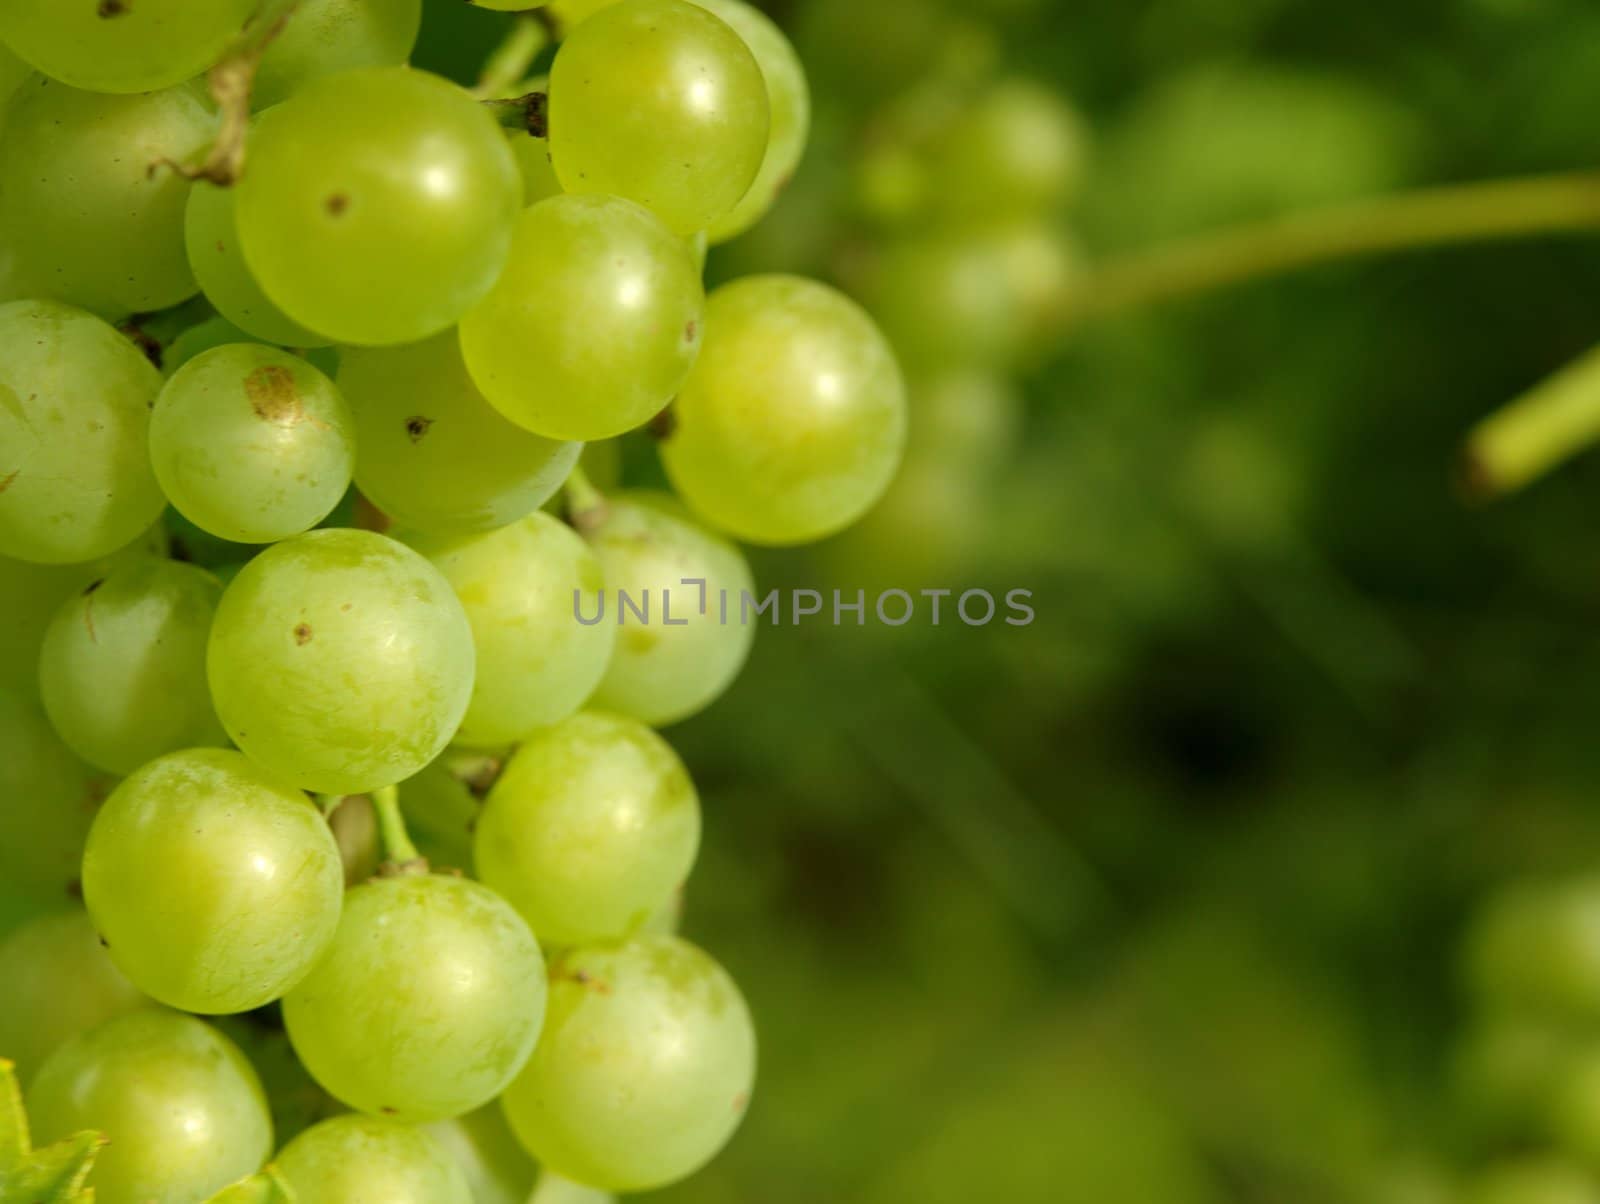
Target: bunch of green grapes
{"x": 313, "y": 534}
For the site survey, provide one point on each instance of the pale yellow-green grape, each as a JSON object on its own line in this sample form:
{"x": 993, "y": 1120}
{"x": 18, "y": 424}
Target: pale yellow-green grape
{"x": 378, "y": 205}
{"x": 1044, "y": 269}
{"x": 212, "y": 240}
{"x": 523, "y": 588}
{"x": 367, "y": 1159}
{"x": 553, "y": 1189}
{"x": 951, "y": 301}
{"x": 570, "y": 13}
{"x": 219, "y": 332}
{"x": 672, "y": 1083}
{"x": 1018, "y": 151}
{"x": 30, "y": 595}
{"x": 122, "y": 45}
{"x": 793, "y": 422}
{"x": 789, "y": 97}
{"x": 533, "y": 154}
{"x": 326, "y": 36}
{"x": 184, "y": 1111}
{"x": 660, "y": 102}
{"x": 594, "y": 325}
{"x": 679, "y": 644}
{"x": 75, "y": 401}
{"x": 14, "y": 282}
{"x": 427, "y": 1005}
{"x": 252, "y": 444}
{"x": 590, "y": 830}
{"x": 215, "y": 886}
{"x": 59, "y": 982}
{"x": 341, "y": 660}
{"x": 48, "y": 799}
{"x": 101, "y": 225}
{"x": 431, "y": 453}
{"x": 498, "y": 1170}
{"x": 122, "y": 672}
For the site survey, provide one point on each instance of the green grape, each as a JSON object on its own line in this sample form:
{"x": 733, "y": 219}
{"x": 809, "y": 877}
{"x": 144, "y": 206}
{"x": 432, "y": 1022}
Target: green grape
{"x": 660, "y": 102}
{"x": 341, "y": 660}
{"x": 594, "y": 325}
{"x": 789, "y": 98}
{"x": 570, "y": 13}
{"x": 30, "y": 595}
{"x": 15, "y": 284}
{"x": 122, "y": 672}
{"x": 327, "y": 36}
{"x": 212, "y": 241}
{"x": 553, "y": 1189}
{"x": 365, "y": 1159}
{"x": 650, "y": 550}
{"x": 1017, "y": 152}
{"x": 432, "y": 454}
{"x": 590, "y": 830}
{"x": 215, "y": 886}
{"x": 87, "y": 488}
{"x": 522, "y": 588}
{"x": 12, "y": 72}
{"x": 103, "y": 222}
{"x": 427, "y": 1005}
{"x": 219, "y": 332}
{"x": 497, "y": 1169}
{"x": 645, "y": 1068}
{"x": 182, "y": 1107}
{"x": 59, "y": 983}
{"x": 122, "y": 45}
{"x": 379, "y": 205}
{"x": 252, "y": 444}
{"x": 1534, "y": 1179}
{"x": 48, "y": 800}
{"x": 793, "y": 422}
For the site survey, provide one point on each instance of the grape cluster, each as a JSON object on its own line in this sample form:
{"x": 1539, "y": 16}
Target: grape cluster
{"x": 298, "y": 347}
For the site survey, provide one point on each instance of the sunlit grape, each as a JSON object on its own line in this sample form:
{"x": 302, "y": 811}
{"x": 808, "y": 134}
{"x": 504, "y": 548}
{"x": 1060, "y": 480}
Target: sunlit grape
{"x": 793, "y": 421}
{"x": 378, "y": 206}
{"x": 182, "y": 1108}
{"x": 340, "y": 660}
{"x": 428, "y": 1003}
{"x": 678, "y": 1066}
{"x": 595, "y": 323}
{"x": 75, "y": 397}
{"x": 660, "y": 102}
{"x": 122, "y": 672}
{"x": 431, "y": 453}
{"x": 356, "y": 1159}
{"x": 326, "y": 36}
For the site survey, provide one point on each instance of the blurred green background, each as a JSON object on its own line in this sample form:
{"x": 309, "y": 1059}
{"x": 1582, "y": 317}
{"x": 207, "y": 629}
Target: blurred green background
{"x": 1163, "y": 898}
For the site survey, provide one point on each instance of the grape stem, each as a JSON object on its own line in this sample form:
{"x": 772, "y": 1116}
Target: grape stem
{"x": 508, "y": 66}
{"x": 527, "y": 114}
{"x": 586, "y": 505}
{"x": 401, "y": 853}
{"x": 1526, "y": 438}
{"x": 1498, "y": 209}
{"x": 231, "y": 82}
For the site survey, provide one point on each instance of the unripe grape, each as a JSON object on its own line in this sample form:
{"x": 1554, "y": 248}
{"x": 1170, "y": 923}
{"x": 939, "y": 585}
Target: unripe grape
{"x": 329, "y": 36}
{"x": 356, "y": 1159}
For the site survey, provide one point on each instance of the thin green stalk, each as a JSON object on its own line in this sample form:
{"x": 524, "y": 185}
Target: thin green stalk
{"x": 1525, "y": 439}
{"x": 392, "y": 827}
{"x": 1481, "y": 212}
{"x": 508, "y": 66}
{"x": 586, "y": 505}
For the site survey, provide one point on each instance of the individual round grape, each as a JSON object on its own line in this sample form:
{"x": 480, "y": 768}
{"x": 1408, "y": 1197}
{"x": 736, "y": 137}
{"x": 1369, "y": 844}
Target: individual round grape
{"x": 48, "y": 799}
{"x": 651, "y": 552}
{"x": 212, "y": 241}
{"x": 1017, "y": 152}
{"x": 122, "y": 45}
{"x": 75, "y": 478}
{"x": 590, "y": 830}
{"x": 432, "y": 454}
{"x": 378, "y": 205}
{"x": 594, "y": 325}
{"x": 357, "y": 1159}
{"x": 215, "y": 886}
{"x": 59, "y": 983}
{"x": 427, "y": 1005}
{"x": 662, "y": 103}
{"x": 341, "y": 661}
{"x": 498, "y": 1170}
{"x": 182, "y": 1107}
{"x": 523, "y": 587}
{"x": 122, "y": 672}
{"x": 252, "y": 444}
{"x": 793, "y": 422}
{"x": 103, "y": 223}
{"x": 327, "y": 36}
{"x": 645, "y": 1068}
{"x": 789, "y": 97}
